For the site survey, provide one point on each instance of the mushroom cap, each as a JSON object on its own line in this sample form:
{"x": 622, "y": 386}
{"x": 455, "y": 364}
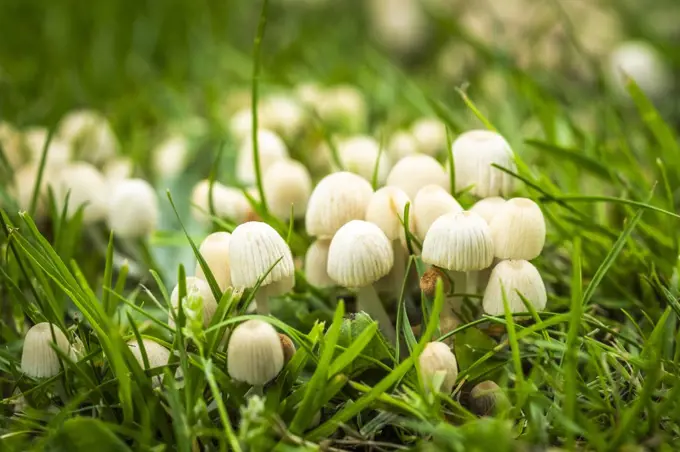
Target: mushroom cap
{"x": 416, "y": 171}
{"x": 459, "y": 241}
{"x": 386, "y": 210}
{"x": 514, "y": 276}
{"x": 195, "y": 287}
{"x": 58, "y": 154}
{"x": 316, "y": 262}
{"x": 518, "y": 230}
{"x": 337, "y": 199}
{"x": 271, "y": 148}
{"x": 254, "y": 248}
{"x": 84, "y": 185}
{"x": 254, "y": 353}
{"x": 215, "y": 251}
{"x": 89, "y": 134}
{"x": 430, "y": 203}
{"x": 24, "y": 184}
{"x": 287, "y": 182}
{"x": 343, "y": 106}
{"x": 474, "y": 152}
{"x": 430, "y": 134}
{"x": 401, "y": 144}
{"x": 228, "y": 202}
{"x": 487, "y": 208}
{"x": 485, "y": 398}
{"x": 117, "y": 169}
{"x": 133, "y": 209}
{"x": 156, "y": 355}
{"x": 643, "y": 63}
{"x": 360, "y": 154}
{"x": 282, "y": 114}
{"x": 11, "y": 141}
{"x": 170, "y": 156}
{"x": 241, "y": 123}
{"x": 38, "y": 358}
{"x": 359, "y": 254}
{"x": 436, "y": 358}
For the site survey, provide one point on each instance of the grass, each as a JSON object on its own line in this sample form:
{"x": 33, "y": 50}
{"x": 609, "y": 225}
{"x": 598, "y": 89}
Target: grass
{"x": 598, "y": 370}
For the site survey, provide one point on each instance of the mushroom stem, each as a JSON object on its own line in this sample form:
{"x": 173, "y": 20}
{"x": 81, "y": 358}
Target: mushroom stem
{"x": 367, "y": 300}
{"x": 262, "y": 301}
{"x": 471, "y": 282}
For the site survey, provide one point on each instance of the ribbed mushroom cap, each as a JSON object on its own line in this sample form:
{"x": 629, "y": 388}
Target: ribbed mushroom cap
{"x": 438, "y": 358}
{"x": 228, "y": 202}
{"x": 386, "y": 210}
{"x": 85, "y": 186}
{"x": 430, "y": 134}
{"x": 360, "y": 154}
{"x": 337, "y": 199}
{"x": 518, "y": 230}
{"x": 254, "y": 248}
{"x": 156, "y": 355}
{"x": 430, "y": 203}
{"x": 414, "y": 172}
{"x": 271, "y": 149}
{"x": 474, "y": 152}
{"x": 215, "y": 252}
{"x": 316, "y": 262}
{"x": 254, "y": 354}
{"x": 487, "y": 208}
{"x": 195, "y": 287}
{"x": 38, "y": 358}
{"x": 514, "y": 276}
{"x": 460, "y": 242}
{"x": 133, "y": 209}
{"x": 359, "y": 255}
{"x": 287, "y": 183}
{"x": 401, "y": 144}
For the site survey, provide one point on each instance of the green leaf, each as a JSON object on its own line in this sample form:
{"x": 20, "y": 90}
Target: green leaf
{"x": 84, "y": 434}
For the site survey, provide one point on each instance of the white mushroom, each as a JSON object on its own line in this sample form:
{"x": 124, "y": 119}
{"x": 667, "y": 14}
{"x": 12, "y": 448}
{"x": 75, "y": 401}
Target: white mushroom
{"x": 487, "y": 208}
{"x": 38, "y": 358}
{"x": 435, "y": 362}
{"x": 271, "y": 148}
{"x": 195, "y": 287}
{"x": 640, "y": 61}
{"x": 360, "y": 154}
{"x": 316, "y": 261}
{"x": 215, "y": 252}
{"x": 430, "y": 203}
{"x": 170, "y": 156}
{"x": 85, "y": 186}
{"x": 133, "y": 209}
{"x": 513, "y": 277}
{"x": 401, "y": 144}
{"x": 156, "y": 356}
{"x": 254, "y": 354}
{"x": 430, "y": 134}
{"x": 228, "y": 202}
{"x": 518, "y": 230}
{"x": 414, "y": 172}
{"x": 287, "y": 183}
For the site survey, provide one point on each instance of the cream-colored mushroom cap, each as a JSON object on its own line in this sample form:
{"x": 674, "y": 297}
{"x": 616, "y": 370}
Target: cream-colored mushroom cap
{"x": 228, "y": 202}
{"x": 359, "y": 255}
{"x": 215, "y": 251}
{"x": 343, "y": 105}
{"x": 254, "y": 353}
{"x": 460, "y": 242}
{"x": 195, "y": 287}
{"x": 283, "y": 114}
{"x": 640, "y": 61}
{"x": 487, "y": 208}
{"x": 241, "y": 124}
{"x": 337, "y": 199}
{"x": 386, "y": 210}
{"x": 117, "y": 169}
{"x": 360, "y": 155}
{"x": 286, "y": 184}
{"x": 414, "y": 172}
{"x": 514, "y": 276}
{"x": 430, "y": 203}
{"x": 254, "y": 248}
{"x": 430, "y": 134}
{"x": 85, "y": 186}
{"x": 401, "y": 144}
{"x": 437, "y": 358}
{"x": 89, "y": 134}
{"x": 12, "y": 144}
{"x": 133, "y": 209}
{"x": 316, "y": 262}
{"x": 24, "y": 184}
{"x": 170, "y": 156}
{"x": 474, "y": 152}
{"x": 518, "y": 230}
{"x": 58, "y": 154}
{"x": 156, "y": 356}
{"x": 38, "y": 358}
{"x": 271, "y": 149}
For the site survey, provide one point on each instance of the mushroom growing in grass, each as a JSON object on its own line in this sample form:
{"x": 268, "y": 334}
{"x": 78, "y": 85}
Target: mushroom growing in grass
{"x": 215, "y": 251}
{"x": 195, "y": 287}
{"x": 360, "y": 254}
{"x": 400, "y": 145}
{"x": 474, "y": 153}
{"x": 438, "y": 364}
{"x": 255, "y": 248}
{"x": 85, "y": 186}
{"x": 133, "y": 209}
{"x": 414, "y": 172}
{"x": 38, "y": 358}
{"x": 486, "y": 398}
{"x": 487, "y": 208}
{"x": 430, "y": 134}
{"x": 271, "y": 149}
{"x": 156, "y": 356}
{"x": 514, "y": 277}
{"x": 431, "y": 202}
{"x": 227, "y": 202}
{"x": 316, "y": 261}
{"x": 518, "y": 230}
{"x": 287, "y": 185}
{"x": 360, "y": 154}
{"x": 254, "y": 354}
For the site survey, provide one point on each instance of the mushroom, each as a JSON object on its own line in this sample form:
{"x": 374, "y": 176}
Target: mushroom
{"x": 316, "y": 260}
{"x": 228, "y": 202}
{"x": 271, "y": 149}
{"x": 282, "y": 114}
{"x": 198, "y": 288}
{"x": 38, "y": 358}
{"x": 215, "y": 251}
{"x": 430, "y": 134}
{"x": 170, "y": 156}
{"x": 133, "y": 209}
{"x": 360, "y": 154}
{"x": 359, "y": 255}
{"x": 156, "y": 355}
{"x": 514, "y": 277}
{"x": 435, "y": 361}
{"x": 431, "y": 202}
{"x": 640, "y": 61}
{"x": 518, "y": 230}
{"x": 254, "y": 354}
{"x": 288, "y": 347}
{"x": 485, "y": 398}
{"x": 343, "y": 107}
{"x": 117, "y": 169}
{"x": 287, "y": 184}
{"x": 400, "y": 145}
{"x": 416, "y": 171}
{"x": 487, "y": 208}
{"x": 89, "y": 134}
{"x": 85, "y": 186}
{"x": 256, "y": 247}
{"x": 58, "y": 154}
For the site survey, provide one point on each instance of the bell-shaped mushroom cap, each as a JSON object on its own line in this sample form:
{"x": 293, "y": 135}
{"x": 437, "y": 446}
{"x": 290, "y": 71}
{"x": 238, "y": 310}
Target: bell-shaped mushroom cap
{"x": 58, "y": 154}
{"x": 414, "y": 172}
{"x": 271, "y": 149}
{"x": 316, "y": 262}
{"x": 437, "y": 358}
{"x": 474, "y": 152}
{"x": 170, "y": 156}
{"x": 282, "y": 114}
{"x": 38, "y": 358}
{"x": 513, "y": 276}
{"x": 460, "y": 242}
{"x": 241, "y": 124}
{"x": 640, "y": 61}
{"x": 487, "y": 208}
{"x": 254, "y": 354}
{"x": 89, "y": 134}
{"x": 360, "y": 154}
{"x": 156, "y": 356}
{"x": 343, "y": 106}
{"x": 85, "y": 186}
{"x": 200, "y": 288}
{"x": 386, "y": 210}
{"x": 254, "y": 248}
{"x": 215, "y": 252}
{"x": 401, "y": 144}
{"x": 133, "y": 209}
{"x": 518, "y": 230}
{"x": 430, "y": 203}
{"x": 337, "y": 199}
{"x": 359, "y": 255}
{"x": 430, "y": 134}
{"x": 287, "y": 183}
{"x": 485, "y": 398}
{"x": 11, "y": 141}
{"x": 228, "y": 202}
{"x": 24, "y": 184}
{"x": 117, "y": 169}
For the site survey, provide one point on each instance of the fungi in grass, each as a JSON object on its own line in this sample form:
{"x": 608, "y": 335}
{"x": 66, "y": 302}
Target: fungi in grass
{"x": 118, "y": 169}
{"x": 254, "y": 354}
{"x": 487, "y": 208}
{"x": 38, "y": 358}
{"x": 431, "y": 202}
{"x": 316, "y": 261}
{"x": 227, "y": 202}
{"x": 85, "y": 187}
{"x": 215, "y": 251}
{"x": 400, "y": 145}
{"x": 283, "y": 114}
{"x": 474, "y": 153}
{"x": 438, "y": 364}
{"x": 486, "y": 398}
{"x": 89, "y": 134}
{"x": 133, "y": 209}
{"x": 343, "y": 107}
{"x": 59, "y": 153}
{"x": 169, "y": 157}
{"x": 640, "y": 61}
{"x": 359, "y": 255}
{"x": 337, "y": 199}
{"x": 195, "y": 287}
{"x": 518, "y": 230}
{"x": 416, "y": 171}
{"x": 255, "y": 248}
{"x": 287, "y": 184}
{"x": 430, "y": 134}
{"x": 360, "y": 154}
{"x": 271, "y": 149}
{"x": 24, "y": 183}
{"x": 156, "y": 356}
{"x": 288, "y": 347}
{"x": 514, "y": 277}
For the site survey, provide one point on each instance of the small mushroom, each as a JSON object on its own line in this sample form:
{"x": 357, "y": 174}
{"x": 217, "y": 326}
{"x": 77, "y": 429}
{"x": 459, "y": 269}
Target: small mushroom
{"x": 430, "y": 134}
{"x": 431, "y": 202}
{"x": 195, "y": 287}
{"x": 513, "y": 277}
{"x": 360, "y": 154}
{"x": 215, "y": 251}
{"x": 437, "y": 359}
{"x": 254, "y": 354}
{"x": 518, "y": 230}
{"x": 271, "y": 149}
{"x": 227, "y": 202}
{"x": 133, "y": 209}
{"x": 156, "y": 355}
{"x": 316, "y": 261}
{"x": 38, "y": 358}
{"x": 487, "y": 208}
{"x": 287, "y": 184}
{"x": 85, "y": 186}
{"x": 416, "y": 171}
{"x": 485, "y": 398}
